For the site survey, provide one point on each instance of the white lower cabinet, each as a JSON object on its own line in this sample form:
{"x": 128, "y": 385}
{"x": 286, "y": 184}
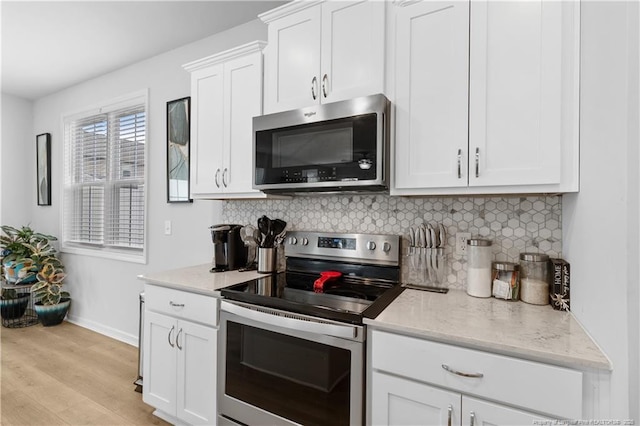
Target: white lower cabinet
{"x": 179, "y": 365}
{"x": 401, "y": 401}
{"x": 415, "y": 381}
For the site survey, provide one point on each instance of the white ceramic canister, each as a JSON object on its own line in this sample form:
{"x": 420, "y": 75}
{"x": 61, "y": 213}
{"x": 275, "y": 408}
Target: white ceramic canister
{"x": 479, "y": 267}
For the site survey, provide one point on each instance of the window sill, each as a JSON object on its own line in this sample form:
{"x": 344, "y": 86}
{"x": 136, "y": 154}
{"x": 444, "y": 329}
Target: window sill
{"x": 106, "y": 253}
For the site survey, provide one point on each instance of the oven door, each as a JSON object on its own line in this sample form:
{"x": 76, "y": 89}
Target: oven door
{"x": 279, "y": 368}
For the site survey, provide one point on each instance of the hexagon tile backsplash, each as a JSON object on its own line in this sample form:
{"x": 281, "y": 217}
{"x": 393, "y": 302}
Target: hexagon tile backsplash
{"x": 514, "y": 224}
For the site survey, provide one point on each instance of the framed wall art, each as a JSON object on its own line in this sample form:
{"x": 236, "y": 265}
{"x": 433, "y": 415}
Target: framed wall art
{"x": 178, "y": 150}
{"x": 43, "y": 168}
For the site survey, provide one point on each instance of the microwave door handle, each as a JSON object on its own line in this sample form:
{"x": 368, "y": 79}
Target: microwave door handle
{"x": 336, "y": 330}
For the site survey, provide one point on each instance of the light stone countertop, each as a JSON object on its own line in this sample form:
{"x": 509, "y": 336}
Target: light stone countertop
{"x": 198, "y": 279}
{"x": 537, "y": 333}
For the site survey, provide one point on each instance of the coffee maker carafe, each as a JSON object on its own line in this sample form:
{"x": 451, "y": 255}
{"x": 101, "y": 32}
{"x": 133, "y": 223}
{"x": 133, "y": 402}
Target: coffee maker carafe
{"x": 229, "y": 251}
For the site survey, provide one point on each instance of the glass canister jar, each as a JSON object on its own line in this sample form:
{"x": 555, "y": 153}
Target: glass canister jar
{"x": 479, "y": 267}
{"x": 505, "y": 279}
{"x": 534, "y": 278}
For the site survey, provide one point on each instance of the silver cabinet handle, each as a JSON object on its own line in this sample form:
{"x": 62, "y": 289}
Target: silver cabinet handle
{"x": 460, "y": 373}
{"x": 314, "y": 84}
{"x": 477, "y": 162}
{"x": 459, "y": 164}
{"x": 325, "y": 80}
{"x": 217, "y": 176}
{"x": 472, "y": 419}
{"x": 178, "y": 339}
{"x": 169, "y": 336}
{"x": 224, "y": 177}
{"x": 450, "y": 410}
{"x": 176, "y": 305}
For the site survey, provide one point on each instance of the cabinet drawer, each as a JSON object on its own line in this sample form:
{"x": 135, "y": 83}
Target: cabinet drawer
{"x": 531, "y": 385}
{"x": 182, "y": 304}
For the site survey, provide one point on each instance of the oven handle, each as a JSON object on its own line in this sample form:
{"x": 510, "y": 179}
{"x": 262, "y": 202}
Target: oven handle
{"x": 336, "y": 330}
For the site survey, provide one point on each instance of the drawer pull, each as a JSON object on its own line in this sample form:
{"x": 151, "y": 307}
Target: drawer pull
{"x": 169, "y": 336}
{"x": 472, "y": 420}
{"x": 450, "y": 410}
{"x": 460, "y": 373}
{"x": 176, "y": 305}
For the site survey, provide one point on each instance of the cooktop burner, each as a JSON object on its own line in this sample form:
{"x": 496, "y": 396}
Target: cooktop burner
{"x": 344, "y": 277}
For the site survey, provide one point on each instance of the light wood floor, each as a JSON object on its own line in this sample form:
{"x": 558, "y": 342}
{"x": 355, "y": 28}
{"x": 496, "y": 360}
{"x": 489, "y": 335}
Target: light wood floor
{"x": 68, "y": 375}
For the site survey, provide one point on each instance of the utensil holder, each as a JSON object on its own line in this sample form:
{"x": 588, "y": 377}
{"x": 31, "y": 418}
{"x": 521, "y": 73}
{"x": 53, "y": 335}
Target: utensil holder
{"x": 426, "y": 266}
{"x": 267, "y": 260}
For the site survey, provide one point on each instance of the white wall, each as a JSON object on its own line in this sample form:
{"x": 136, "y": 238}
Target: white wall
{"x": 600, "y": 223}
{"x": 105, "y": 292}
{"x": 17, "y": 162}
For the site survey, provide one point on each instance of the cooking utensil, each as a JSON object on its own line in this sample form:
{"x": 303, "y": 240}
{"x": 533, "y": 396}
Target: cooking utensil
{"x": 443, "y": 235}
{"x": 433, "y": 237}
{"x": 264, "y": 225}
{"x": 318, "y": 285}
{"x": 277, "y": 228}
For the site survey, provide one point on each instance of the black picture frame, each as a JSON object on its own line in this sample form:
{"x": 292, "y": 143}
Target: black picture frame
{"x": 178, "y": 150}
{"x": 43, "y": 169}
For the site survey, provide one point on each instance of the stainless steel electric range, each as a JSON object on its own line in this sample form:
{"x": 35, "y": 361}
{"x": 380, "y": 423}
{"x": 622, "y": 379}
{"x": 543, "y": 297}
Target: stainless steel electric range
{"x": 292, "y": 344}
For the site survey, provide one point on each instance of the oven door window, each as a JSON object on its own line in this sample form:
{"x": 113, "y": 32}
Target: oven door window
{"x": 304, "y": 381}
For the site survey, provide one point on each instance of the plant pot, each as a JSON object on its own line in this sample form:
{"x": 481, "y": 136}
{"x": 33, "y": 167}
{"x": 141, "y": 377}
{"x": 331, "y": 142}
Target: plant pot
{"x": 14, "y": 308}
{"x": 14, "y": 272}
{"x": 52, "y": 314}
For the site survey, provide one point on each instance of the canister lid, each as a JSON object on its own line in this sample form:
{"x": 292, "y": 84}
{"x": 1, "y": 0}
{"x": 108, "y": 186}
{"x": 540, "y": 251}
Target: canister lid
{"x": 505, "y": 266}
{"x": 478, "y": 242}
{"x": 534, "y": 257}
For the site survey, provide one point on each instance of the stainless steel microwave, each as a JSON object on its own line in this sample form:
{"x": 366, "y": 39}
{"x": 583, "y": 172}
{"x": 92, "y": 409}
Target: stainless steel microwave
{"x": 341, "y": 146}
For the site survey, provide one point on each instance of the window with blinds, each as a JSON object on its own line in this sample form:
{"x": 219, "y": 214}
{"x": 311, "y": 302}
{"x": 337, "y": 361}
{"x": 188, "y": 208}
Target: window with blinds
{"x": 104, "y": 186}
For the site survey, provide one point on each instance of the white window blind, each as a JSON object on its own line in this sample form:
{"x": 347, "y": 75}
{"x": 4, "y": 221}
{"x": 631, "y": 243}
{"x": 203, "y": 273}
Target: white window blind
{"x": 104, "y": 186}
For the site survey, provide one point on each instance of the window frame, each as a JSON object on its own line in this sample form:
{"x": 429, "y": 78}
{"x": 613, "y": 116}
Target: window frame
{"x": 104, "y": 250}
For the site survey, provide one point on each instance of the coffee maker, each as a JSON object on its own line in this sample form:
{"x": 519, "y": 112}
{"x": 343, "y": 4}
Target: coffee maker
{"x": 229, "y": 251}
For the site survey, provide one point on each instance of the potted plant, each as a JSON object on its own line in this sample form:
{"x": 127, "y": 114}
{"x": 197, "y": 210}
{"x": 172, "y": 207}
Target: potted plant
{"x": 13, "y": 304}
{"x": 52, "y": 302}
{"x": 24, "y": 252}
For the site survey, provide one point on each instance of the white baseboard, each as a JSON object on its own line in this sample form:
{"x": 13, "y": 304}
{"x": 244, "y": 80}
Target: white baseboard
{"x": 107, "y": 331}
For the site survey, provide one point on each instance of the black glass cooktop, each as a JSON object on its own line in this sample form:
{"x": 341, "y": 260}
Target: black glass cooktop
{"x": 343, "y": 299}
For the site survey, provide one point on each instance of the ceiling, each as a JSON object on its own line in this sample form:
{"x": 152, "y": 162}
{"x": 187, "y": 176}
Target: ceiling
{"x": 51, "y": 45}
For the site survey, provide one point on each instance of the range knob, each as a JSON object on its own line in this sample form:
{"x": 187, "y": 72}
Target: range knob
{"x": 305, "y": 241}
{"x": 293, "y": 240}
{"x": 371, "y": 245}
{"x": 386, "y": 247}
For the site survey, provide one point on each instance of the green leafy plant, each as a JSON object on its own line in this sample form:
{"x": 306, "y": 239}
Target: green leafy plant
{"x": 24, "y": 245}
{"x": 8, "y": 294}
{"x": 48, "y": 289}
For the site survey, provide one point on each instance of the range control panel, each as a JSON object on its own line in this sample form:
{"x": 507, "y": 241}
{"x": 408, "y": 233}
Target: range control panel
{"x": 368, "y": 248}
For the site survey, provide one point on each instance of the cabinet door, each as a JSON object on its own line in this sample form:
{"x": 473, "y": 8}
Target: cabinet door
{"x": 397, "y": 401}
{"x": 515, "y": 95}
{"x": 352, "y": 55}
{"x": 292, "y": 61}
{"x": 159, "y": 362}
{"x": 431, "y": 139}
{"x": 243, "y": 101}
{"x": 196, "y": 392}
{"x": 476, "y": 412}
{"x": 207, "y": 112}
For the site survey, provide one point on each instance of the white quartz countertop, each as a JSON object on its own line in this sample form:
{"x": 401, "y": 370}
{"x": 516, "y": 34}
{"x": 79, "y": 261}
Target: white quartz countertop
{"x": 198, "y": 279}
{"x": 537, "y": 333}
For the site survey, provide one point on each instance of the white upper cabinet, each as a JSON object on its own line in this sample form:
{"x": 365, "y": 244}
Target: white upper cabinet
{"x": 323, "y": 52}
{"x": 226, "y": 92}
{"x": 486, "y": 97}
{"x": 432, "y": 95}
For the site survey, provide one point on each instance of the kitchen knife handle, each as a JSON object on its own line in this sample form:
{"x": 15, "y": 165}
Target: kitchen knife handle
{"x": 314, "y": 84}
{"x": 217, "y": 176}
{"x": 450, "y": 412}
{"x": 459, "y": 164}
{"x": 325, "y": 80}
{"x": 224, "y": 177}
{"x": 477, "y": 162}
{"x": 178, "y": 339}
{"x": 472, "y": 418}
{"x": 460, "y": 373}
{"x": 169, "y": 336}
